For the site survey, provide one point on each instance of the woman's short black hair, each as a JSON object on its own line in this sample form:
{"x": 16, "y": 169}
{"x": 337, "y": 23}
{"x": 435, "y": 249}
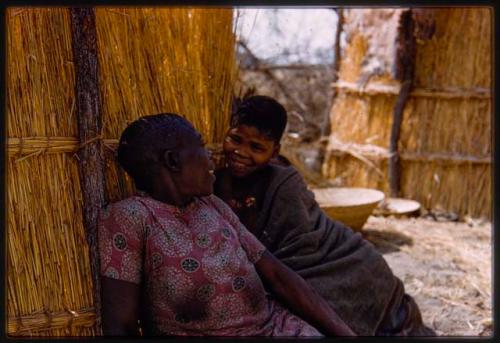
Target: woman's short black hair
{"x": 262, "y": 112}
{"x": 144, "y": 141}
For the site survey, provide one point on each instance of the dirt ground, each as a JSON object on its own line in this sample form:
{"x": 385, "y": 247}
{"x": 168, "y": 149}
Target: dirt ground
{"x": 446, "y": 266}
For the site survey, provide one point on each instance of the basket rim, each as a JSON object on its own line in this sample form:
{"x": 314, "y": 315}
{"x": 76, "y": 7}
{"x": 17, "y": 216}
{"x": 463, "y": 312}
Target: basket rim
{"x": 325, "y": 197}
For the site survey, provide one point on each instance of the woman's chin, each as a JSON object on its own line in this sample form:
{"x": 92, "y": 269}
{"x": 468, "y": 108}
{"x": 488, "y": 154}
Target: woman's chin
{"x": 206, "y": 192}
{"x": 239, "y": 173}
{"x": 239, "y": 170}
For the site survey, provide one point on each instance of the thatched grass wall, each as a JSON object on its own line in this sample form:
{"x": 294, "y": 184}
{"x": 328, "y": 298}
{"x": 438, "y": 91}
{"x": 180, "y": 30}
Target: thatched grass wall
{"x": 445, "y": 142}
{"x": 150, "y": 60}
{"x": 173, "y": 60}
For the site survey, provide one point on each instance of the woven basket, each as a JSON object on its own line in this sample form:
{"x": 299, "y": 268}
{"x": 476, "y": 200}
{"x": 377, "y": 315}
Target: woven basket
{"x": 352, "y": 206}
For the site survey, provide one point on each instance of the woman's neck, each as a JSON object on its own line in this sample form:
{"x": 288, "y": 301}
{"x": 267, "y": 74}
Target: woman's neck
{"x": 248, "y": 182}
{"x": 170, "y": 198}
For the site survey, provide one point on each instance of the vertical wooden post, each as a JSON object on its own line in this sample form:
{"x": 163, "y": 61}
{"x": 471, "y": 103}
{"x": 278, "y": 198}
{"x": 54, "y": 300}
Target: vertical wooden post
{"x": 89, "y": 130}
{"x": 335, "y": 67}
{"x": 405, "y": 64}
{"x": 336, "y": 56}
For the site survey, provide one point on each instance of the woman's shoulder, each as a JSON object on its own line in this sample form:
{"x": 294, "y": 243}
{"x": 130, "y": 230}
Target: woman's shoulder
{"x": 218, "y": 206}
{"x": 122, "y": 203}
{"x": 212, "y": 200}
{"x": 132, "y": 205}
{"x": 285, "y": 173}
{"x": 288, "y": 185}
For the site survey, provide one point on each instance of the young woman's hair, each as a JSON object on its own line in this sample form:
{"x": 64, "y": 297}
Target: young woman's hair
{"x": 144, "y": 141}
{"x": 262, "y": 112}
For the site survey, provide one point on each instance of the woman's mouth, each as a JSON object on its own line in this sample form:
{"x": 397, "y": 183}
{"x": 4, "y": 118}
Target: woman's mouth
{"x": 238, "y": 165}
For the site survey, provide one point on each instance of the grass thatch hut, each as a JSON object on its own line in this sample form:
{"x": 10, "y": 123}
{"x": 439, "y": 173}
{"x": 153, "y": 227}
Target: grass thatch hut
{"x": 412, "y": 114}
{"x": 75, "y": 78}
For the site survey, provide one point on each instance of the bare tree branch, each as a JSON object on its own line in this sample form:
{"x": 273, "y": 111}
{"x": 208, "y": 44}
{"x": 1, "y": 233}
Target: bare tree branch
{"x": 255, "y": 61}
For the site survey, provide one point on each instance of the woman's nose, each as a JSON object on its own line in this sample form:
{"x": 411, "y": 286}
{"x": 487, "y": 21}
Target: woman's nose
{"x": 209, "y": 153}
{"x": 241, "y": 151}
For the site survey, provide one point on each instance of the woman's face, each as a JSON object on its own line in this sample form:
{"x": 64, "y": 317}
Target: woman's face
{"x": 247, "y": 150}
{"x": 196, "y": 176}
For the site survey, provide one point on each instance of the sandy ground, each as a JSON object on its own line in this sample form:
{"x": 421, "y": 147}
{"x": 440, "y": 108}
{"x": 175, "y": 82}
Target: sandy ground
{"x": 446, "y": 266}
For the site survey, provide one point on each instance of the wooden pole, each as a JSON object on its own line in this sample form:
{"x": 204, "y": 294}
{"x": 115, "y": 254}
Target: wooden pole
{"x": 404, "y": 71}
{"x": 337, "y": 52}
{"x": 89, "y": 130}
{"x": 336, "y": 67}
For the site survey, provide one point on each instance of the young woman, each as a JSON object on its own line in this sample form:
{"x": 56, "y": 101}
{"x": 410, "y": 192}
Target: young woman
{"x": 176, "y": 257}
{"x": 273, "y": 202}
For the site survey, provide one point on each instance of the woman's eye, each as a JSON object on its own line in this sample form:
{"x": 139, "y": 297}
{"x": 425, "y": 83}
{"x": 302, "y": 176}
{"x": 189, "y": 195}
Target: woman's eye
{"x": 235, "y": 139}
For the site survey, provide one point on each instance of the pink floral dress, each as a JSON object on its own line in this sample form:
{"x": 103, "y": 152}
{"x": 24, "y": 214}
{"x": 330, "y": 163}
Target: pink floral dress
{"x": 195, "y": 266}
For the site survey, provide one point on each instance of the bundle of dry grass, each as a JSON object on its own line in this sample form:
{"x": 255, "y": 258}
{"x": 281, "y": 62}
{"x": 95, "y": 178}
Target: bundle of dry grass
{"x": 151, "y": 60}
{"x": 47, "y": 264}
{"x": 445, "y": 142}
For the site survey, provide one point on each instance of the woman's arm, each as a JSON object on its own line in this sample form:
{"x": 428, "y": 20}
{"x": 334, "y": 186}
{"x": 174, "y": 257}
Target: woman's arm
{"x": 119, "y": 307}
{"x": 294, "y": 292}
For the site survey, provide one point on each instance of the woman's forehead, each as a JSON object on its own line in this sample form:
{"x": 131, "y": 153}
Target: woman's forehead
{"x": 251, "y": 133}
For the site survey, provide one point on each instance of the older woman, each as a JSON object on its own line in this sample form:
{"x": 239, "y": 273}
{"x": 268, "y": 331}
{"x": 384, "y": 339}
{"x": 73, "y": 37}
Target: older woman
{"x": 178, "y": 259}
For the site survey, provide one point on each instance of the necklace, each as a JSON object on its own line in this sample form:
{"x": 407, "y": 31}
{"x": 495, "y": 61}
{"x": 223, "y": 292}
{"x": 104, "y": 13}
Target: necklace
{"x": 241, "y": 195}
{"x": 246, "y": 202}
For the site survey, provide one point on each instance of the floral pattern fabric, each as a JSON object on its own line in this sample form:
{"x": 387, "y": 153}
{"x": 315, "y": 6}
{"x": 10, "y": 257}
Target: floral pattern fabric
{"x": 197, "y": 268}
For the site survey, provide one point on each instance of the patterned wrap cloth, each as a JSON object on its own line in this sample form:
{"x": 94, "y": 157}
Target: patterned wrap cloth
{"x": 196, "y": 269}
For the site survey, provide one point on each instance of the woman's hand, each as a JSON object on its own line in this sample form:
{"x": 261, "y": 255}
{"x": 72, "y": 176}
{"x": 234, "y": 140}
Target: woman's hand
{"x": 119, "y": 307}
{"x": 294, "y": 292}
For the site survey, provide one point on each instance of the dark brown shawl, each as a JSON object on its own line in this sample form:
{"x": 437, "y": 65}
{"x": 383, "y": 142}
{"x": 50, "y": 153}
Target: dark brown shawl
{"x": 338, "y": 263}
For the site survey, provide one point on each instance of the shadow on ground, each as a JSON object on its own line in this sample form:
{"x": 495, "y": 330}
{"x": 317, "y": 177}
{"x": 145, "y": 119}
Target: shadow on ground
{"x": 386, "y": 241}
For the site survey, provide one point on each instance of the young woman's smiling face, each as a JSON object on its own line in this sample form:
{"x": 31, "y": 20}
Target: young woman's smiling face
{"x": 247, "y": 150}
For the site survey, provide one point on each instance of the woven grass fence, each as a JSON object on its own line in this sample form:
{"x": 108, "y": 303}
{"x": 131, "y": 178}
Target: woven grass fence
{"x": 150, "y": 61}
{"x": 445, "y": 134}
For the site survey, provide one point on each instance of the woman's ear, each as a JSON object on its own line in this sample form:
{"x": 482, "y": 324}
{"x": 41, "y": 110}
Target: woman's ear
{"x": 172, "y": 160}
{"x": 276, "y": 150}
